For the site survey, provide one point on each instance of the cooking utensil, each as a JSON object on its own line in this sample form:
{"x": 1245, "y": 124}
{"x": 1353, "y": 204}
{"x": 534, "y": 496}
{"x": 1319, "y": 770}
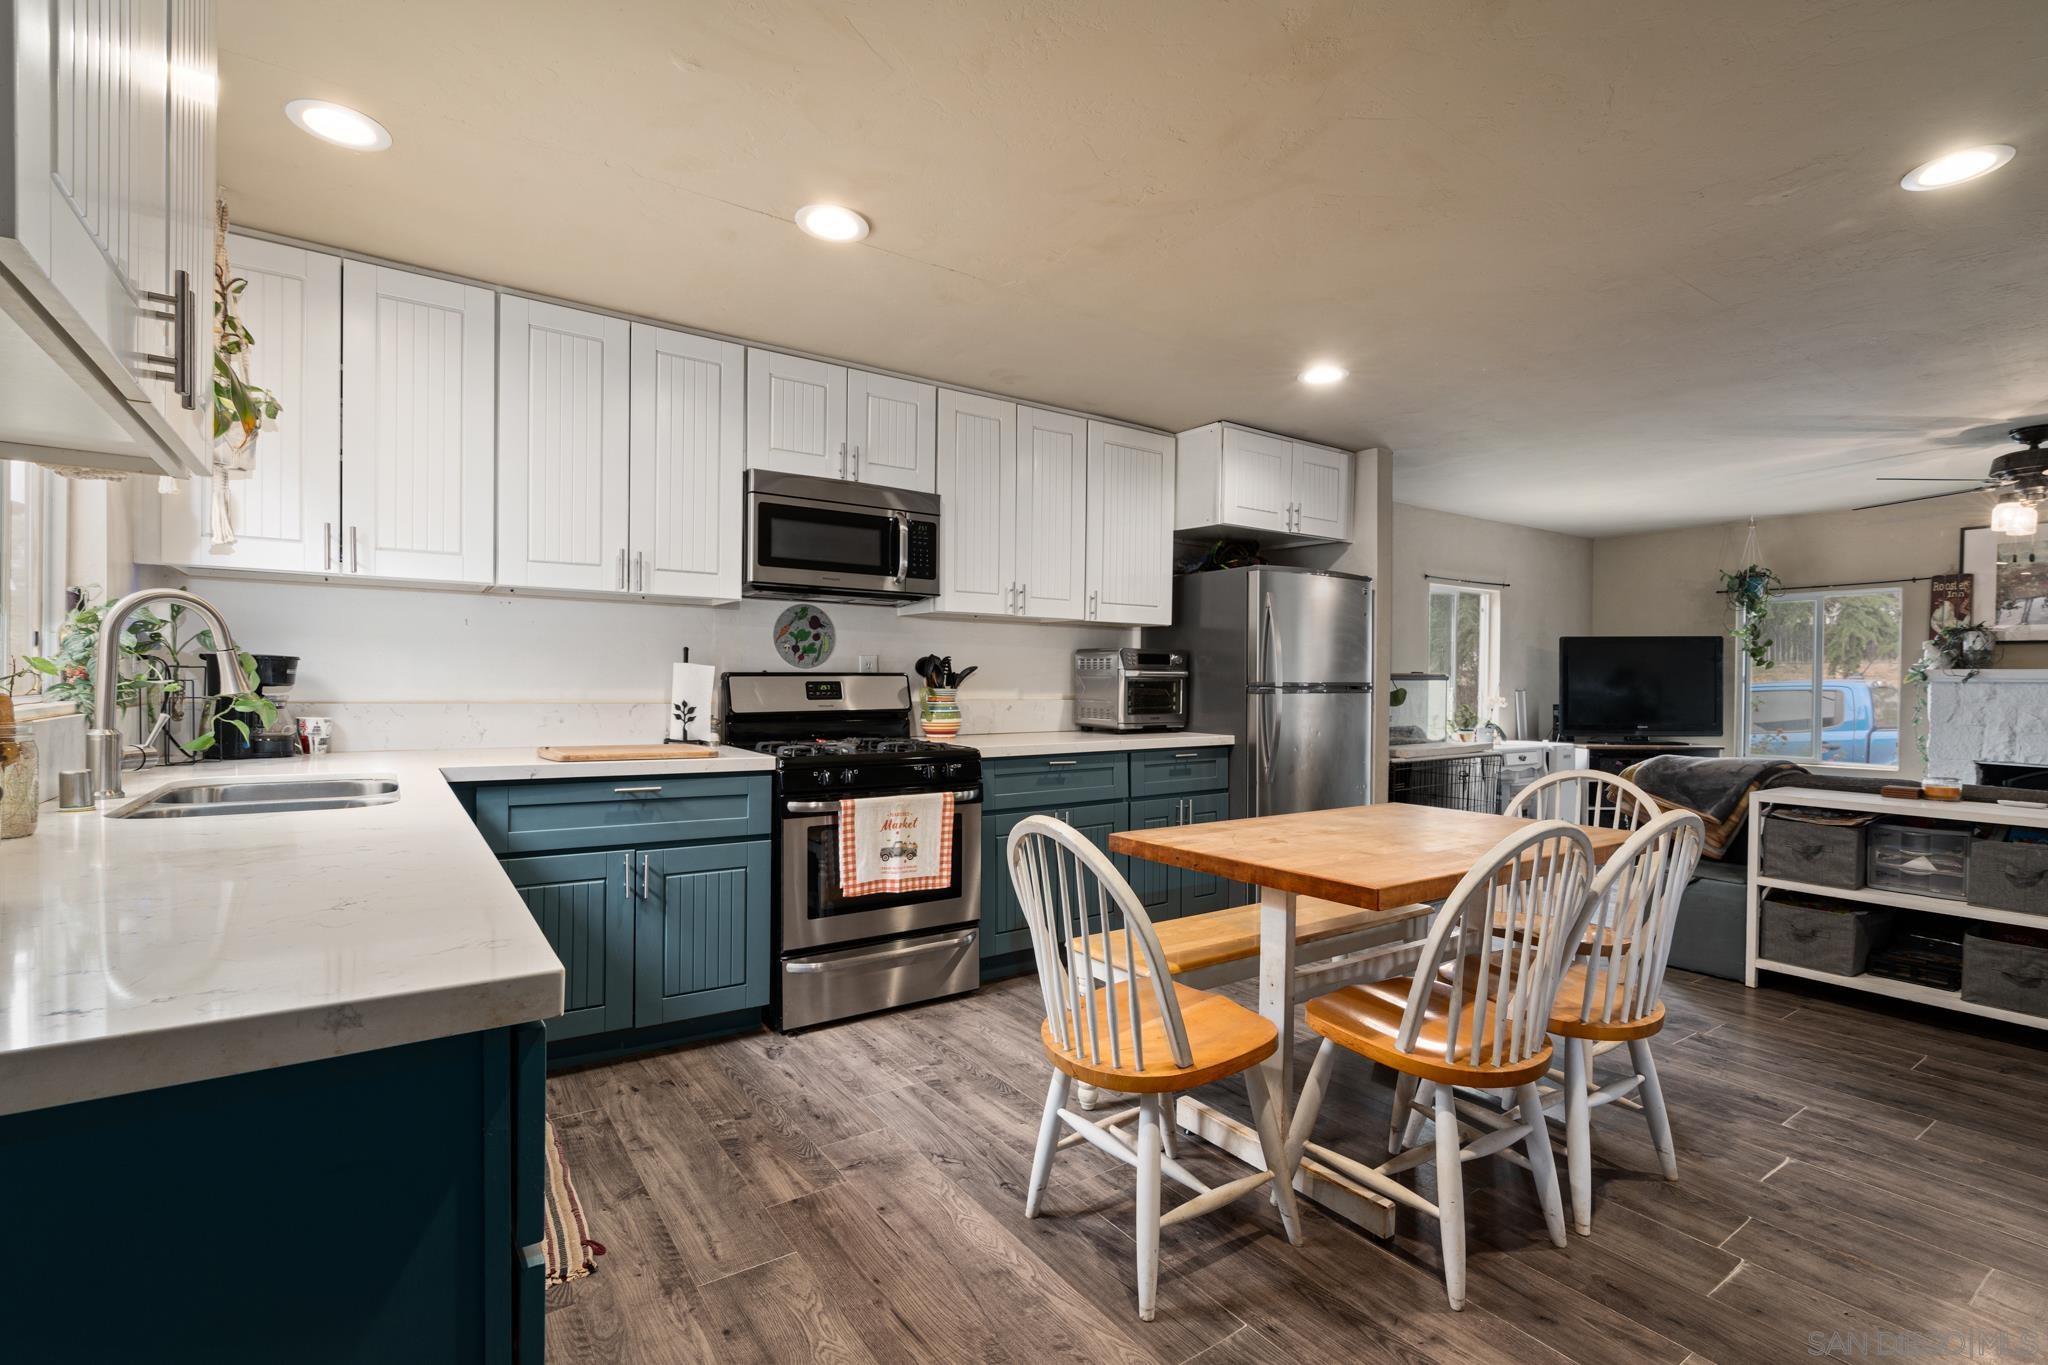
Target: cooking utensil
{"x": 962, "y": 677}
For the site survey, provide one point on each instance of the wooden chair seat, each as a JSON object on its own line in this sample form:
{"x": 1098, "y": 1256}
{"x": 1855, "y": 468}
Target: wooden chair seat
{"x": 1223, "y": 1036}
{"x": 1571, "y": 999}
{"x": 1194, "y": 942}
{"x": 1366, "y": 1018}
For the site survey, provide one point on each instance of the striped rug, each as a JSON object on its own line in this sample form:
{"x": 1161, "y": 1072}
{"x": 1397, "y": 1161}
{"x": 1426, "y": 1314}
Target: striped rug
{"x": 571, "y": 1254}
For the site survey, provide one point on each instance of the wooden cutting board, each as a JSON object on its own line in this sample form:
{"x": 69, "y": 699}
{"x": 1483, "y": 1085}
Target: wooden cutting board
{"x": 624, "y": 753}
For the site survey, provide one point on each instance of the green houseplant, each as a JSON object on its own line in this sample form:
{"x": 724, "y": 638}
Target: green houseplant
{"x": 240, "y": 408}
{"x": 1749, "y": 595}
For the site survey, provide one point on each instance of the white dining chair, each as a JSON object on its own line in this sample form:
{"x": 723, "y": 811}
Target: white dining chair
{"x": 1472, "y": 1016}
{"x": 1137, "y": 1033}
{"x": 1585, "y": 797}
{"x": 1612, "y": 997}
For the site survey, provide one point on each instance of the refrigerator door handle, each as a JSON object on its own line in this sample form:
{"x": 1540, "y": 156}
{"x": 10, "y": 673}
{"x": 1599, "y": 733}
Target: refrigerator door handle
{"x": 1269, "y": 640}
{"x": 1265, "y": 743}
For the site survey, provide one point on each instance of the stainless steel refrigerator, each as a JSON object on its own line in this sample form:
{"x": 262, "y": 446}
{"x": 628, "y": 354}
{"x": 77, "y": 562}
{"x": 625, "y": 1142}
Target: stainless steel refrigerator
{"x": 1281, "y": 659}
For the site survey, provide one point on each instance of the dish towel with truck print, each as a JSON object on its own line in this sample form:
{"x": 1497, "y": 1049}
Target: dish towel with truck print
{"x": 895, "y": 843}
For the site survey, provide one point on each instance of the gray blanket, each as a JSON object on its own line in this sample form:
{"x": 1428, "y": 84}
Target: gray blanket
{"x": 1714, "y": 787}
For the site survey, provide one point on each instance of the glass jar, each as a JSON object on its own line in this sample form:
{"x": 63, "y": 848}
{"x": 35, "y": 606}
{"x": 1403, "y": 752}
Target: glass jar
{"x": 21, "y": 791}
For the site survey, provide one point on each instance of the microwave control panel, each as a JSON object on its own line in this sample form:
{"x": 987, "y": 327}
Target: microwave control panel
{"x": 924, "y": 549}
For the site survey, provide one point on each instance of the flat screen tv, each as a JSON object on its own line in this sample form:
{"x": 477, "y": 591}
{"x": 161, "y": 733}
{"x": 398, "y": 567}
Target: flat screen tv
{"x": 1639, "y": 686}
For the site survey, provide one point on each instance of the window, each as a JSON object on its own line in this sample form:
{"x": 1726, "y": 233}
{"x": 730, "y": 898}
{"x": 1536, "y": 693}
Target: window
{"x": 1464, "y": 645}
{"x": 31, "y": 553}
{"x": 1830, "y": 693}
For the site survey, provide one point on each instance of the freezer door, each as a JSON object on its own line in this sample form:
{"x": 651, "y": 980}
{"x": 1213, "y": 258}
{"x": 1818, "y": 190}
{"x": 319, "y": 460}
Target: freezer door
{"x": 1310, "y": 628}
{"x": 1308, "y": 750}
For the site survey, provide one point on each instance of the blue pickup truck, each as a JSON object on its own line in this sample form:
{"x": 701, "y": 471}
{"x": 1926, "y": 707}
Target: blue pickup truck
{"x": 1781, "y": 722}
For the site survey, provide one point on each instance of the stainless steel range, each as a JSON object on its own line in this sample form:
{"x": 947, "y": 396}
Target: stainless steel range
{"x": 837, "y": 736}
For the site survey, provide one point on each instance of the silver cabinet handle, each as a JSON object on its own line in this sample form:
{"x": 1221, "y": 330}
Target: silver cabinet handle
{"x": 1094, "y": 604}
{"x": 892, "y": 955}
{"x": 179, "y": 362}
{"x": 326, "y": 544}
{"x": 619, "y": 570}
{"x": 634, "y": 791}
{"x": 1010, "y": 598}
{"x": 646, "y": 890}
{"x": 1190, "y": 754}
{"x": 1061, "y": 762}
{"x": 1023, "y": 598}
{"x": 355, "y": 552}
{"x": 842, "y": 459}
{"x": 855, "y": 452}
{"x": 640, "y": 569}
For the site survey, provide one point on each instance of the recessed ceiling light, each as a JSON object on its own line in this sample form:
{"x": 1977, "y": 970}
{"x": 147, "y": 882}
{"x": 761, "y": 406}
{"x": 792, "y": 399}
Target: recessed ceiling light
{"x": 1956, "y": 167}
{"x": 831, "y": 223}
{"x": 339, "y": 124}
{"x": 1323, "y": 372}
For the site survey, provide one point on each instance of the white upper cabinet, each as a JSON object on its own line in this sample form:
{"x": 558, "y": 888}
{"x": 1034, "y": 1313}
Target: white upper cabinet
{"x": 796, "y": 415}
{"x": 1258, "y": 480}
{"x": 106, "y": 212}
{"x": 562, "y": 447}
{"x": 286, "y": 513}
{"x": 1234, "y": 480}
{"x": 1051, "y": 521}
{"x": 688, "y": 454}
{"x": 890, "y": 427}
{"x": 1322, "y": 492}
{"x": 811, "y": 417}
{"x": 1130, "y": 526}
{"x": 417, "y": 429}
{"x": 977, "y": 450}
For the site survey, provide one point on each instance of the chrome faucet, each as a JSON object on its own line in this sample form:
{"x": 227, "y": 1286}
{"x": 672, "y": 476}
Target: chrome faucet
{"x": 104, "y": 745}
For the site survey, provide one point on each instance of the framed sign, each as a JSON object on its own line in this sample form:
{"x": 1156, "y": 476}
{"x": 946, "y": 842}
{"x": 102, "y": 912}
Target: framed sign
{"x": 1950, "y": 596}
{"x": 2009, "y": 577}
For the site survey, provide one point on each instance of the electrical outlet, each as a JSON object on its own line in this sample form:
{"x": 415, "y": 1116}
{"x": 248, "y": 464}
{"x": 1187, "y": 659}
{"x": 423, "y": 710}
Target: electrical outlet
{"x": 870, "y": 663}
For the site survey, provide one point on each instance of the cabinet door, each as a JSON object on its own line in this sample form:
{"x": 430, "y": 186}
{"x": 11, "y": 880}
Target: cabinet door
{"x": 1258, "y": 479}
{"x": 417, "y": 440}
{"x": 286, "y": 515}
{"x": 1051, "y": 520}
{"x": 1003, "y": 930}
{"x": 796, "y": 415}
{"x": 701, "y": 945}
{"x": 109, "y": 231}
{"x": 977, "y": 485}
{"x": 1130, "y": 526}
{"x": 1158, "y": 885}
{"x": 1200, "y": 892}
{"x": 562, "y": 470}
{"x": 581, "y": 902}
{"x": 891, "y": 431}
{"x": 1322, "y": 491}
{"x": 689, "y": 454}
{"x": 192, "y": 188}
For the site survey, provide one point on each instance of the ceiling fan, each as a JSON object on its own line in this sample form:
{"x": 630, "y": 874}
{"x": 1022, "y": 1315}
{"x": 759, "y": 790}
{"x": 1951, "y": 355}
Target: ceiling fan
{"x": 2020, "y": 475}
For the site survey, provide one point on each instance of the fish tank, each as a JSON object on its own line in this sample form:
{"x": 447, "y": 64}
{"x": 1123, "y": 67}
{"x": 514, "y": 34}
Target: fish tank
{"x": 1419, "y": 708}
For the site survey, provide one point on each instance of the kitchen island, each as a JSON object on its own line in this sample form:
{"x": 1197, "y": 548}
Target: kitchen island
{"x": 277, "y": 1078}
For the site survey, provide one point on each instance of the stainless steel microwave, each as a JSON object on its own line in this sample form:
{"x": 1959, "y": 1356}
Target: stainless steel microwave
{"x": 839, "y": 541}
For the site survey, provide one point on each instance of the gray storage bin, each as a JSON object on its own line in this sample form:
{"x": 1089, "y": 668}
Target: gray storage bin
{"x": 2009, "y": 876}
{"x": 2007, "y": 968}
{"x": 1827, "y": 936}
{"x": 1926, "y": 860}
{"x": 1800, "y": 849}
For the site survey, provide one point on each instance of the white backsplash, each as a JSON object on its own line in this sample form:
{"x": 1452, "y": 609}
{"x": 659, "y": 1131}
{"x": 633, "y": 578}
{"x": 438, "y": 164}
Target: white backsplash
{"x": 361, "y": 726}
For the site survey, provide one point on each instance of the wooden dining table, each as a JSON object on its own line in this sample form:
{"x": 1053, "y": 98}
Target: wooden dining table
{"x": 1384, "y": 857}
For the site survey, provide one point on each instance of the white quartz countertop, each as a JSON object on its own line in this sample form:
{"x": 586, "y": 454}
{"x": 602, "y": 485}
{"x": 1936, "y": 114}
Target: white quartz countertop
{"x": 1032, "y": 743}
{"x": 144, "y": 953}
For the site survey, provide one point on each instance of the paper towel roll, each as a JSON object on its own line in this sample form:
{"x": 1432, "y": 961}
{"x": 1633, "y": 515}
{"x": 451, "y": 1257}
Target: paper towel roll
{"x": 689, "y": 696}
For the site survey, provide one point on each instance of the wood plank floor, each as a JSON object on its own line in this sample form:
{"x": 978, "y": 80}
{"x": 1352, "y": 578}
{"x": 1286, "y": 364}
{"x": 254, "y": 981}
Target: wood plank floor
{"x": 856, "y": 1194}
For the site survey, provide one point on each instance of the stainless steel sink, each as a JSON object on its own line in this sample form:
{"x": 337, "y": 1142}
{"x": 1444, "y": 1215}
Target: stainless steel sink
{"x": 252, "y": 798}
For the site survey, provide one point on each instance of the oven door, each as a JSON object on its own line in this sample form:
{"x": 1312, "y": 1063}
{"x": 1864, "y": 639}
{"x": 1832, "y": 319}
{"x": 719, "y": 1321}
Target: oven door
{"x": 812, "y": 546}
{"x": 813, "y": 913}
{"x": 1155, "y": 698}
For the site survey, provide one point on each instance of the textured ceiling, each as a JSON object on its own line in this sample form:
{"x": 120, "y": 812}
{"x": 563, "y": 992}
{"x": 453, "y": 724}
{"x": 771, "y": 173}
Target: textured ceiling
{"x": 1593, "y": 266}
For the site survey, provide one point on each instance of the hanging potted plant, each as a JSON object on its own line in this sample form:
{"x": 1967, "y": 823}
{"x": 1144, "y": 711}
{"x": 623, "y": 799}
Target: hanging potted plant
{"x": 240, "y": 408}
{"x": 1749, "y": 591}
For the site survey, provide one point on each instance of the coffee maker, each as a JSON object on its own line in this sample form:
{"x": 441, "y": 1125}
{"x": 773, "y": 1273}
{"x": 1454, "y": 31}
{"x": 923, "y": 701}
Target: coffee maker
{"x": 275, "y": 674}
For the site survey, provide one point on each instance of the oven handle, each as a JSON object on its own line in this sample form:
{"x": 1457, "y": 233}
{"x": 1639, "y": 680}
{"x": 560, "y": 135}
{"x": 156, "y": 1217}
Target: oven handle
{"x": 832, "y": 807}
{"x": 893, "y": 955}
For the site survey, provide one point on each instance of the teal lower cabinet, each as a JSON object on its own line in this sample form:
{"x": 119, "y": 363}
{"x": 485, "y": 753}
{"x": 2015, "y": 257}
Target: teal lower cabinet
{"x": 667, "y": 925}
{"x": 1177, "y": 788}
{"x": 371, "y": 1207}
{"x": 582, "y": 904}
{"x": 700, "y": 943}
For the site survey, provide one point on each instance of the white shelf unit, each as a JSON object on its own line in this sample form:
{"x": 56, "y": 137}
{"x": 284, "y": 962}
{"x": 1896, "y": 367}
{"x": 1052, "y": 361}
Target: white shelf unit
{"x": 1958, "y": 812}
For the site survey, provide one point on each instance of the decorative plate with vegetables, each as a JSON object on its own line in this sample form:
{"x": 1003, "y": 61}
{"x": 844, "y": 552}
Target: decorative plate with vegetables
{"x": 803, "y": 635}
